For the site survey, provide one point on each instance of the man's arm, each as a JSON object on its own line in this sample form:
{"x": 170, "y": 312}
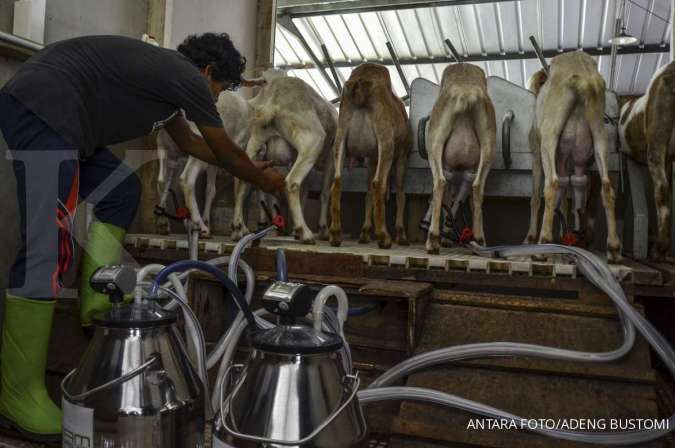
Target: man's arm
{"x": 217, "y": 148}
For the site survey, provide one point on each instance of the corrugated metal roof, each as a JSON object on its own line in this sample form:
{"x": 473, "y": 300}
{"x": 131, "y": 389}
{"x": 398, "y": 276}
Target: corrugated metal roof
{"x": 479, "y": 31}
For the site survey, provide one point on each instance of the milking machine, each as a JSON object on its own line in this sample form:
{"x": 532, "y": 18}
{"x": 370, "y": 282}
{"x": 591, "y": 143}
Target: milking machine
{"x": 141, "y": 385}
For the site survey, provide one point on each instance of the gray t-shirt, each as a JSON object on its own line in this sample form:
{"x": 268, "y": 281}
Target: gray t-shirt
{"x": 101, "y": 90}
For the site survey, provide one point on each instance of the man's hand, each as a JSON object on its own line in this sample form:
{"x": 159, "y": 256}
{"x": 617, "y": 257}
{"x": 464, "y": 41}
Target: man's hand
{"x": 217, "y": 148}
{"x": 274, "y": 180}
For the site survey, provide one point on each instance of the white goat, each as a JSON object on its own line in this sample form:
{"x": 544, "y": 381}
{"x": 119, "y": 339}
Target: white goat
{"x": 236, "y": 115}
{"x": 297, "y": 127}
{"x": 569, "y": 129}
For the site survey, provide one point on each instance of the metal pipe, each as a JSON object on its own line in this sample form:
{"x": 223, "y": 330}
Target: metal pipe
{"x": 540, "y": 54}
{"x": 511, "y": 56}
{"x": 331, "y": 66}
{"x": 20, "y": 42}
{"x": 287, "y": 23}
{"x": 615, "y": 47}
{"x": 453, "y": 50}
{"x": 394, "y": 58}
{"x": 304, "y": 8}
{"x": 612, "y": 58}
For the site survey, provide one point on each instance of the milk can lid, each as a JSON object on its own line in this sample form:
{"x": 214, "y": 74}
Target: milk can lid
{"x": 144, "y": 315}
{"x": 296, "y": 340}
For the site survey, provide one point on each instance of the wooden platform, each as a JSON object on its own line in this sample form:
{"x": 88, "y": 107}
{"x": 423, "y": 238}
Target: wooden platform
{"x": 475, "y": 299}
{"x": 408, "y": 257}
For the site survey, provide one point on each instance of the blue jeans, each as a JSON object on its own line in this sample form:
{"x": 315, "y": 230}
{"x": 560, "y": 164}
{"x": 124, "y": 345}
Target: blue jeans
{"x": 49, "y": 180}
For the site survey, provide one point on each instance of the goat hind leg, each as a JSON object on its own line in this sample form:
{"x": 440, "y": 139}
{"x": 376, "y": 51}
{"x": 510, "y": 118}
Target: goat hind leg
{"x": 379, "y": 185}
{"x": 239, "y": 228}
{"x": 537, "y": 185}
{"x": 340, "y": 148}
{"x": 657, "y": 169}
{"x": 401, "y": 171}
{"x": 211, "y": 178}
{"x": 303, "y": 164}
{"x": 601, "y": 148}
{"x": 188, "y": 180}
{"x": 328, "y": 176}
{"x": 367, "y": 228}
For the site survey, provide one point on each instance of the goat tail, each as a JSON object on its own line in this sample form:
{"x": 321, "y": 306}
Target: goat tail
{"x": 466, "y": 99}
{"x": 587, "y": 89}
{"x": 357, "y": 91}
{"x": 265, "y": 115}
{"x": 537, "y": 81}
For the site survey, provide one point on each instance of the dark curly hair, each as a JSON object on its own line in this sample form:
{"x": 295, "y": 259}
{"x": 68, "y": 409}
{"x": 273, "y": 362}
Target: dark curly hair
{"x": 218, "y": 51}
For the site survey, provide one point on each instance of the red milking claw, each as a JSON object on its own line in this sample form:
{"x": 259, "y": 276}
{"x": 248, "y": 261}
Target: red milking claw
{"x": 182, "y": 213}
{"x": 279, "y": 221}
{"x": 570, "y": 239}
{"x": 467, "y": 235}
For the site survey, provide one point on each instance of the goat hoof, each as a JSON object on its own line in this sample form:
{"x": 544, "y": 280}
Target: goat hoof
{"x": 433, "y": 244}
{"x": 433, "y": 250}
{"x": 323, "y": 233}
{"x": 656, "y": 254}
{"x": 335, "y": 236}
{"x": 614, "y": 257}
{"x": 335, "y": 242}
{"x": 384, "y": 241}
{"x": 531, "y": 239}
{"x": 309, "y": 241}
{"x": 614, "y": 252}
{"x": 163, "y": 225}
{"x": 364, "y": 236}
{"x": 239, "y": 232}
{"x": 659, "y": 250}
{"x": 401, "y": 238}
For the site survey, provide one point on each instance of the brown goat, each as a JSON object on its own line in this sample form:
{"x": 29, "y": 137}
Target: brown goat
{"x": 373, "y": 124}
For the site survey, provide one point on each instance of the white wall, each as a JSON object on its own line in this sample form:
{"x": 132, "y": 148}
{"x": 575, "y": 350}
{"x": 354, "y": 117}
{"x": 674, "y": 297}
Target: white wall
{"x": 71, "y": 18}
{"x": 235, "y": 17}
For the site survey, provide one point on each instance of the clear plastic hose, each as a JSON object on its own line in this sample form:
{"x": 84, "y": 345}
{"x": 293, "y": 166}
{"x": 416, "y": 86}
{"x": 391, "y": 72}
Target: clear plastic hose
{"x": 598, "y": 273}
{"x": 320, "y": 303}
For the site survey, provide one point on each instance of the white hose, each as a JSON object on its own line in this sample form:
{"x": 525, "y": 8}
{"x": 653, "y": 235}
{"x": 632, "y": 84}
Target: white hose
{"x": 597, "y": 272}
{"x": 142, "y": 273}
{"x": 192, "y": 328}
{"x": 232, "y": 338}
{"x": 320, "y": 302}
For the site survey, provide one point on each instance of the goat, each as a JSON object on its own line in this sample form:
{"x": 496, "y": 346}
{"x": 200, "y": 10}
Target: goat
{"x": 569, "y": 128}
{"x": 462, "y": 138}
{"x": 297, "y": 127}
{"x": 236, "y": 114}
{"x": 647, "y": 134}
{"x": 373, "y": 124}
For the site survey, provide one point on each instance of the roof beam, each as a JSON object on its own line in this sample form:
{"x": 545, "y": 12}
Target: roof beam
{"x": 593, "y": 51}
{"x": 305, "y": 8}
{"x": 287, "y": 23}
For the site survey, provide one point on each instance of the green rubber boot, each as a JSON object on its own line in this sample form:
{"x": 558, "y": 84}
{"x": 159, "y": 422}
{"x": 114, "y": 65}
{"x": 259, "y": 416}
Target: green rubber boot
{"x": 25, "y": 405}
{"x": 104, "y": 248}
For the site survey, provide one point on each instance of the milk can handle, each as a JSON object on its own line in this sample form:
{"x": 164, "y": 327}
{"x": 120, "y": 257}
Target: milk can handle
{"x": 117, "y": 381}
{"x": 355, "y": 382}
